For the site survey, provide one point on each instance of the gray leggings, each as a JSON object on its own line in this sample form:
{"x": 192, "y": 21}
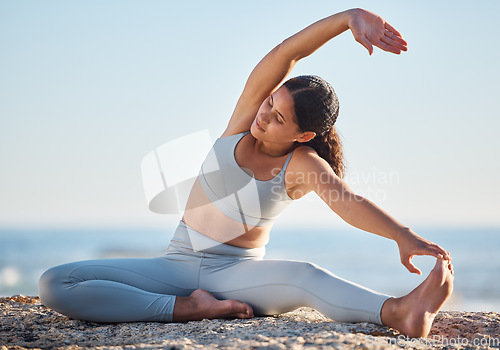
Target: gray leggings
{"x": 123, "y": 290}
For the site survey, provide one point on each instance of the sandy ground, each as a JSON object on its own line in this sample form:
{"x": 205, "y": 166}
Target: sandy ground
{"x": 26, "y": 324}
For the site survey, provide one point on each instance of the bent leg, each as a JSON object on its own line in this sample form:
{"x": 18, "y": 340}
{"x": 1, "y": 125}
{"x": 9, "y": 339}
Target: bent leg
{"x": 278, "y": 286}
{"x": 117, "y": 290}
{"x": 201, "y": 304}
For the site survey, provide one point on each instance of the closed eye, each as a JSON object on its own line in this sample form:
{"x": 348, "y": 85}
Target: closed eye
{"x": 270, "y": 102}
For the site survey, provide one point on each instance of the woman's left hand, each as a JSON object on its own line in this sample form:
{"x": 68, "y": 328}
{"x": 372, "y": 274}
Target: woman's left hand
{"x": 371, "y": 30}
{"x": 411, "y": 244}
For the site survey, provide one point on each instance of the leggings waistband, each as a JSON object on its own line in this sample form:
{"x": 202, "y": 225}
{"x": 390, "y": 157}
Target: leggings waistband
{"x": 187, "y": 238}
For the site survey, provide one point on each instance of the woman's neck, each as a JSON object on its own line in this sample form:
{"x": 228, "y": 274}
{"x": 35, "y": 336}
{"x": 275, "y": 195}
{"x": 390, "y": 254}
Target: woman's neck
{"x": 273, "y": 149}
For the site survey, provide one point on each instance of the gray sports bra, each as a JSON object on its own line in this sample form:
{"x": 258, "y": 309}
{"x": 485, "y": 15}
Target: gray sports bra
{"x": 235, "y": 192}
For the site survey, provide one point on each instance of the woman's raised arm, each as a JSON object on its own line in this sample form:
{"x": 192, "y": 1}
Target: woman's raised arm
{"x": 367, "y": 28}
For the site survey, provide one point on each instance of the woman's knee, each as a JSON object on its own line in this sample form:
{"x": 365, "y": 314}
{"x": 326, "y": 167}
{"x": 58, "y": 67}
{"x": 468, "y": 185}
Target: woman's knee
{"x": 306, "y": 271}
{"x": 285, "y": 272}
{"x": 51, "y": 284}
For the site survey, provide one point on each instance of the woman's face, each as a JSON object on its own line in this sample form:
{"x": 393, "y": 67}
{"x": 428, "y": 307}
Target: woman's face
{"x": 275, "y": 120}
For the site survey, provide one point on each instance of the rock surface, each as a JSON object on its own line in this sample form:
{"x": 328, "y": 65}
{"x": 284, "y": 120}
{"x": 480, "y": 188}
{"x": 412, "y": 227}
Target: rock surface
{"x": 26, "y": 324}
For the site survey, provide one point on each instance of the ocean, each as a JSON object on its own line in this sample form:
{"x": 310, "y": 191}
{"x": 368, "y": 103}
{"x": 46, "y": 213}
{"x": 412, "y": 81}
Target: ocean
{"x": 352, "y": 254}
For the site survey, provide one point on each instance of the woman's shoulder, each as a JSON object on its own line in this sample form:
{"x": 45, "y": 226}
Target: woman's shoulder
{"x": 306, "y": 159}
{"x": 303, "y": 171}
{"x": 305, "y": 153}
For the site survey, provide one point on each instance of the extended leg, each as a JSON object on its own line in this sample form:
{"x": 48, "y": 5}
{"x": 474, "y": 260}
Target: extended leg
{"x": 277, "y": 286}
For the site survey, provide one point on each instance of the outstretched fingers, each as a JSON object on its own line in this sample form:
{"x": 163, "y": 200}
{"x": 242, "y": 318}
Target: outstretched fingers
{"x": 396, "y": 38}
{"x": 391, "y": 43}
{"x": 372, "y": 30}
{"x": 391, "y": 40}
{"x": 394, "y": 41}
{"x": 382, "y": 44}
{"x": 392, "y": 29}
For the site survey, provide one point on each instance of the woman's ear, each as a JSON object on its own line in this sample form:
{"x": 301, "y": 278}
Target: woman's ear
{"x": 306, "y": 136}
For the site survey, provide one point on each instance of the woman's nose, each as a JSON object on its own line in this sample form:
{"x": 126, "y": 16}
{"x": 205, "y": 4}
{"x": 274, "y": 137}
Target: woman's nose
{"x": 264, "y": 117}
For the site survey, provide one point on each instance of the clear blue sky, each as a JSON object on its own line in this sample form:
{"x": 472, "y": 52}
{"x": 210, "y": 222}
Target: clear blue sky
{"x": 87, "y": 88}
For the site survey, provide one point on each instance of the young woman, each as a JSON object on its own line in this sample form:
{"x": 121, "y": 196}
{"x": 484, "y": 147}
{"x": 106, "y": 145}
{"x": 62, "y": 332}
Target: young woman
{"x": 279, "y": 145}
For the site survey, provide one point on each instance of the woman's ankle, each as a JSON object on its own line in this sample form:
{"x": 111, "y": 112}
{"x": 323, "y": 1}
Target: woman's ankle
{"x": 391, "y": 313}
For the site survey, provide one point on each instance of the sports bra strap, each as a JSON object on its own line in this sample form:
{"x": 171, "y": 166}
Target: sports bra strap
{"x": 287, "y": 161}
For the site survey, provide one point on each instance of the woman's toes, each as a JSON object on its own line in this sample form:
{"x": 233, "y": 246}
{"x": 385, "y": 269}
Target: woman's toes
{"x": 245, "y": 311}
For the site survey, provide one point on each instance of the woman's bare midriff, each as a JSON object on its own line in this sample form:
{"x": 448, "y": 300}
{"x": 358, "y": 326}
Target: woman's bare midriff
{"x": 203, "y": 216}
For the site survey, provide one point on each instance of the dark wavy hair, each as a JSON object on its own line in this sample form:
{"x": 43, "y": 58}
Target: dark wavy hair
{"x": 317, "y": 109}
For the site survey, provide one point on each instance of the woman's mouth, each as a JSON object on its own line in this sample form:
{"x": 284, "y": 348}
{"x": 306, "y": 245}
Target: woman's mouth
{"x": 258, "y": 126}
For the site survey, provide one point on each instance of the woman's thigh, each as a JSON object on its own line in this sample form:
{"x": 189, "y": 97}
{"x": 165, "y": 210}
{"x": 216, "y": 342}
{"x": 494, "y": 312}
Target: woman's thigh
{"x": 171, "y": 274}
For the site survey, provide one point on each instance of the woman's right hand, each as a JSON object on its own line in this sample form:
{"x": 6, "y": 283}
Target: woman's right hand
{"x": 411, "y": 244}
{"x": 370, "y": 29}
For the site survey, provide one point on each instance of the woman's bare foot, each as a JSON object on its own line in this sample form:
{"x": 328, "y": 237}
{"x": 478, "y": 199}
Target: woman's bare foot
{"x": 413, "y": 313}
{"x": 201, "y": 304}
